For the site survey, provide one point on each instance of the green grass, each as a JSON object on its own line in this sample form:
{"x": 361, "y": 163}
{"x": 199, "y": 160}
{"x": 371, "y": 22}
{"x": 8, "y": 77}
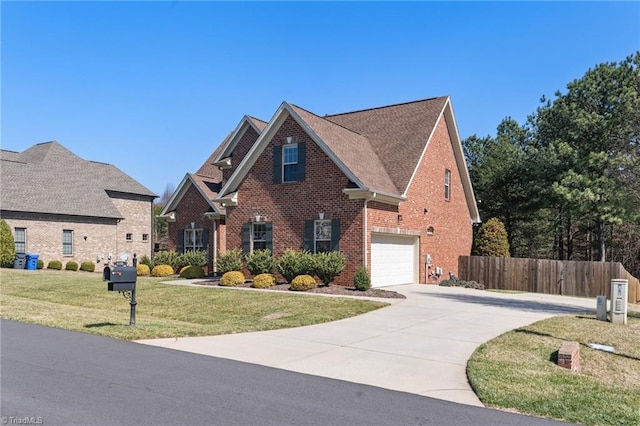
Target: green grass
{"x": 80, "y": 301}
{"x": 517, "y": 371}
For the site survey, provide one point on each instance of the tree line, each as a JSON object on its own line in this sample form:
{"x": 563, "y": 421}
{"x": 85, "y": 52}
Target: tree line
{"x": 566, "y": 184}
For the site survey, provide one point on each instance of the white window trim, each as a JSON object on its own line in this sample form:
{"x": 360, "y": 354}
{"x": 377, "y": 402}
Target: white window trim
{"x": 189, "y": 244}
{"x": 295, "y": 145}
{"x": 23, "y": 242}
{"x": 252, "y": 239}
{"x": 447, "y": 184}
{"x": 315, "y": 233}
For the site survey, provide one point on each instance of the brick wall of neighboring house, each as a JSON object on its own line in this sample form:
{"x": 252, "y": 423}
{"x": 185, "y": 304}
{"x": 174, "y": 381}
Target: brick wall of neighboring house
{"x": 92, "y": 237}
{"x": 44, "y": 236}
{"x": 450, "y": 220}
{"x": 244, "y": 145}
{"x": 288, "y": 205}
{"x": 138, "y": 222}
{"x": 191, "y": 208}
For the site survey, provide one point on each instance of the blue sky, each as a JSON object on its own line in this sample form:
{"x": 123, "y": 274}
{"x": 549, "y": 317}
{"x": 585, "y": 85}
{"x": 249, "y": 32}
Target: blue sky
{"x": 154, "y": 87}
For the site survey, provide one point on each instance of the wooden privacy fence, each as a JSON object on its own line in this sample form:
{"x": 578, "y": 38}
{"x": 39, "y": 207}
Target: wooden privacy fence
{"x": 569, "y": 278}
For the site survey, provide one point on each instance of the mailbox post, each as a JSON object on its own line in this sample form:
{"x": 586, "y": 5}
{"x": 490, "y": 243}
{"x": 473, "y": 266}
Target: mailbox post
{"x": 122, "y": 278}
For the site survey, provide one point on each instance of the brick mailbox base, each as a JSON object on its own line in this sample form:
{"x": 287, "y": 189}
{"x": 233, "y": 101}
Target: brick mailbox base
{"x": 569, "y": 356}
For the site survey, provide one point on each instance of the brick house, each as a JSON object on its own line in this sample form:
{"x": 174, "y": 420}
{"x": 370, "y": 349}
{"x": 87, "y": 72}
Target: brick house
{"x": 63, "y": 207}
{"x": 195, "y": 220}
{"x": 387, "y": 186}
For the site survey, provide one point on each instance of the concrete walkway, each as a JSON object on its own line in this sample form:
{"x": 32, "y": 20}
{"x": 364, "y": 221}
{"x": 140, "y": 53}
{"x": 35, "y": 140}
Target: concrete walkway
{"x": 419, "y": 345}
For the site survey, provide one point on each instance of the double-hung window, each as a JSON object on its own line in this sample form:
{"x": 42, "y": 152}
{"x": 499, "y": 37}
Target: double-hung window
{"x": 322, "y": 240}
{"x": 193, "y": 239}
{"x": 67, "y": 242}
{"x": 290, "y": 163}
{"x": 447, "y": 184}
{"x": 20, "y": 239}
{"x": 258, "y": 236}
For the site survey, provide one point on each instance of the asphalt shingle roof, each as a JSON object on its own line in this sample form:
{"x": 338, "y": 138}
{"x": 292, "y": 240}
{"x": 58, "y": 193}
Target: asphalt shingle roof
{"x": 48, "y": 178}
{"x": 397, "y": 135}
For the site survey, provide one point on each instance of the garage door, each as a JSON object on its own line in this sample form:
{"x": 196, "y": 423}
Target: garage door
{"x": 393, "y": 260}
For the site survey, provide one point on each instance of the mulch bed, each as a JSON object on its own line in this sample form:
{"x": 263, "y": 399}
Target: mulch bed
{"x": 326, "y": 289}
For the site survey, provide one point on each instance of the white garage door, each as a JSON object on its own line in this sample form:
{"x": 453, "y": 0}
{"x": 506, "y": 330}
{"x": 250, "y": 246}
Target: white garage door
{"x": 393, "y": 260}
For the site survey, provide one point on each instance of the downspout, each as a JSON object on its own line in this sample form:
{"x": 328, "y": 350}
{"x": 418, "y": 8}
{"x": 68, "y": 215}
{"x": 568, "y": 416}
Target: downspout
{"x": 215, "y": 245}
{"x": 365, "y": 250}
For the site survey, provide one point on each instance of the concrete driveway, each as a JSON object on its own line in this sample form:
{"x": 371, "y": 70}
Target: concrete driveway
{"x": 419, "y": 345}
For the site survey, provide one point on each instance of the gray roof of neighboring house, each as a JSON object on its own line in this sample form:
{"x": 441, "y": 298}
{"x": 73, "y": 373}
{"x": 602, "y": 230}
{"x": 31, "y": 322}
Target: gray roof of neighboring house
{"x": 48, "y": 178}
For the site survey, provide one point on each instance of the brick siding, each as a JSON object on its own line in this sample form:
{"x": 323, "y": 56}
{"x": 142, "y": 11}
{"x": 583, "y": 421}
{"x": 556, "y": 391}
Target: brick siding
{"x": 103, "y": 236}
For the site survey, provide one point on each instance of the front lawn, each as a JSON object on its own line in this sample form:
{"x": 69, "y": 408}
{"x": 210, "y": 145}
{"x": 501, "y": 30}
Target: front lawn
{"x": 80, "y": 301}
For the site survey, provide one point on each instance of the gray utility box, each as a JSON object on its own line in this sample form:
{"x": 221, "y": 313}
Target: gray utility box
{"x": 120, "y": 278}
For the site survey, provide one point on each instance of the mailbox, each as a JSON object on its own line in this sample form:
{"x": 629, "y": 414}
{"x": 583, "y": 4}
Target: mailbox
{"x": 121, "y": 278}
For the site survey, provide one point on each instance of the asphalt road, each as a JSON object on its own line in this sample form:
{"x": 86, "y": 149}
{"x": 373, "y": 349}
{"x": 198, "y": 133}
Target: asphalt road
{"x": 57, "y": 377}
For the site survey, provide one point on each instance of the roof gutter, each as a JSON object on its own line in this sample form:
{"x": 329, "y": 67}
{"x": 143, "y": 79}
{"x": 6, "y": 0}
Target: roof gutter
{"x": 366, "y": 193}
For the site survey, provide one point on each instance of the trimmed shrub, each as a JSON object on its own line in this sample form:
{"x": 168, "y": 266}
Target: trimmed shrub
{"x": 71, "y": 266}
{"x": 170, "y": 258}
{"x": 54, "y": 264}
{"x": 87, "y": 266}
{"x": 40, "y": 264}
{"x": 193, "y": 258}
{"x": 293, "y": 263}
{"x": 260, "y": 262}
{"x": 328, "y": 265}
{"x": 232, "y": 279}
{"x": 491, "y": 240}
{"x": 361, "y": 279}
{"x": 142, "y": 269}
{"x": 231, "y": 260}
{"x": 263, "y": 281}
{"x": 191, "y": 272}
{"x": 162, "y": 271}
{"x": 146, "y": 261}
{"x": 303, "y": 283}
{"x": 461, "y": 283}
{"x": 7, "y": 245}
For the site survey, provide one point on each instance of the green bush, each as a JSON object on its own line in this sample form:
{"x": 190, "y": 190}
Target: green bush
{"x": 461, "y": 283}
{"x": 142, "y": 270}
{"x": 293, "y": 263}
{"x": 232, "y": 279}
{"x": 329, "y": 265}
{"x": 162, "y": 271}
{"x": 491, "y": 240}
{"x": 40, "y": 264}
{"x": 7, "y": 245}
{"x": 88, "y": 266}
{"x": 361, "y": 279}
{"x": 193, "y": 258}
{"x": 231, "y": 260}
{"x": 263, "y": 281}
{"x": 191, "y": 272}
{"x": 260, "y": 262}
{"x": 71, "y": 266}
{"x": 303, "y": 283}
{"x": 170, "y": 258}
{"x": 146, "y": 261}
{"x": 54, "y": 264}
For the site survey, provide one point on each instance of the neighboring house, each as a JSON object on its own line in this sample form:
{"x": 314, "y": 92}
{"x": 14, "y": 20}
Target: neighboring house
{"x": 65, "y": 208}
{"x": 387, "y": 186}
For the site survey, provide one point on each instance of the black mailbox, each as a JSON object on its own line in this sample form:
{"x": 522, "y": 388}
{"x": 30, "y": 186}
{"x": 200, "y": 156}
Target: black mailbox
{"x": 121, "y": 278}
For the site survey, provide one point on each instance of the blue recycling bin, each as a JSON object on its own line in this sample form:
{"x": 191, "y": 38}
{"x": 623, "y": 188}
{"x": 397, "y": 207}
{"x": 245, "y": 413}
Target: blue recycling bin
{"x": 32, "y": 261}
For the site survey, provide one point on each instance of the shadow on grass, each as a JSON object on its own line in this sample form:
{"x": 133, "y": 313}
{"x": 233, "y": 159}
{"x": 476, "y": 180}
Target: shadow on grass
{"x": 521, "y": 305}
{"x": 100, "y": 324}
{"x": 537, "y": 333}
